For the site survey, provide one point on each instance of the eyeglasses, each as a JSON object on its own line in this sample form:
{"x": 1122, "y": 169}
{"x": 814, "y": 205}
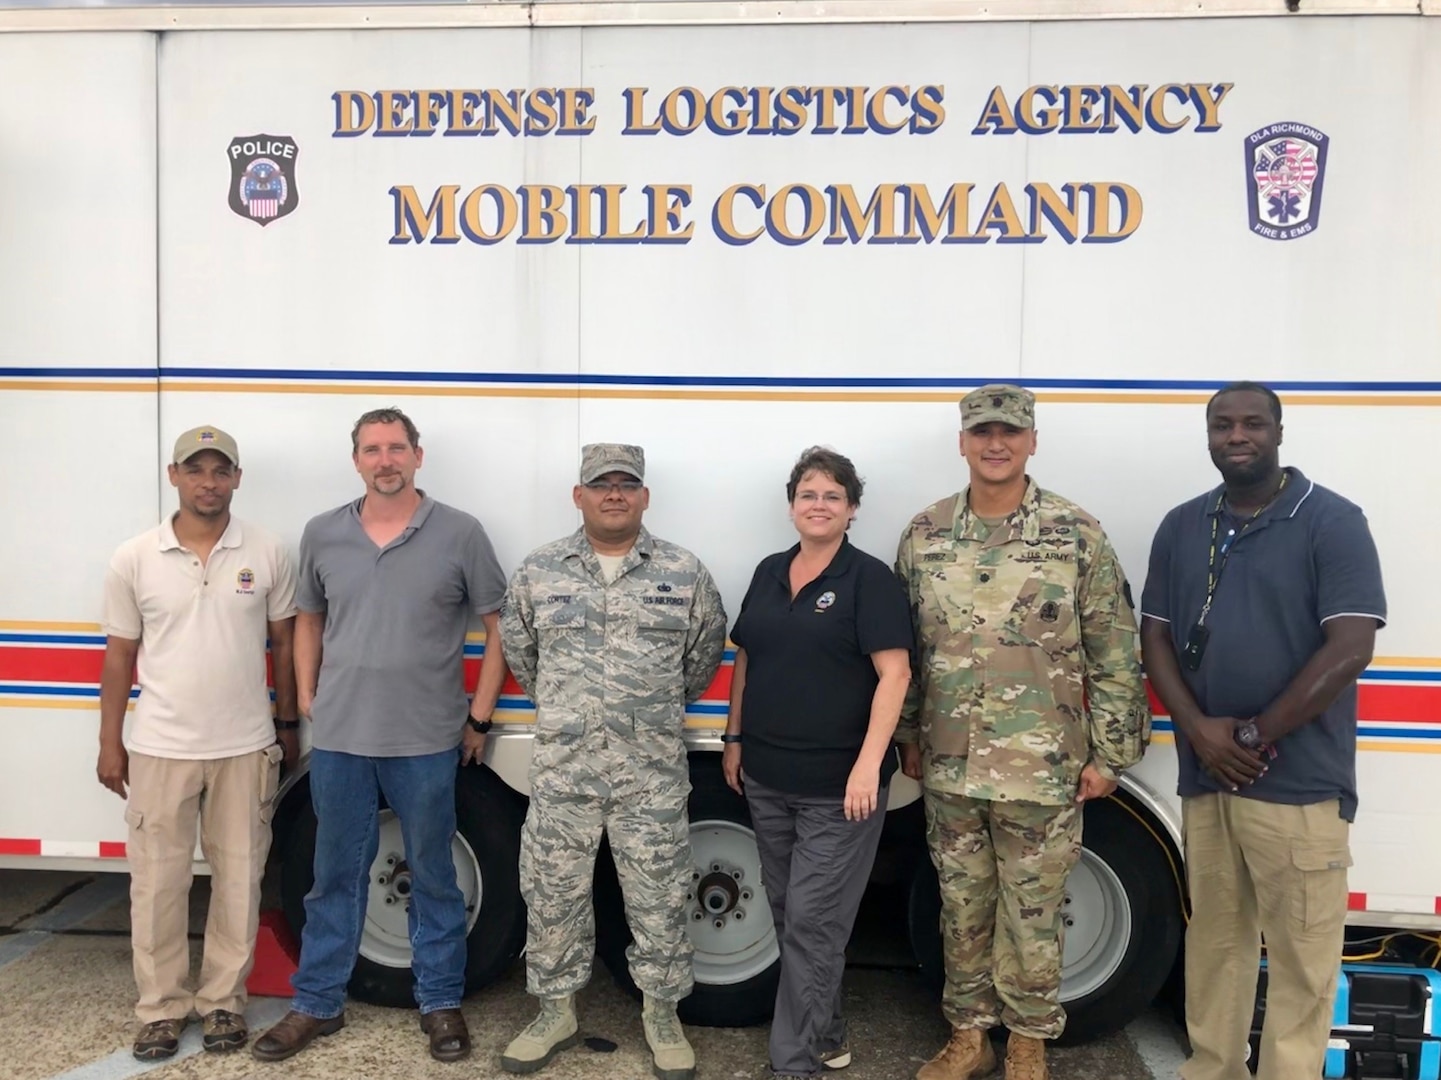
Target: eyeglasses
{"x": 605, "y": 487}
{"x": 829, "y": 498}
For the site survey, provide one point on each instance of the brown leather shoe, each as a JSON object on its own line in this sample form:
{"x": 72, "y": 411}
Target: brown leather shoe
{"x": 292, "y": 1034}
{"x": 449, "y": 1037}
{"x": 157, "y": 1040}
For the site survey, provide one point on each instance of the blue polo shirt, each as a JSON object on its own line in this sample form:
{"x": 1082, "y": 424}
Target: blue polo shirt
{"x": 1308, "y": 558}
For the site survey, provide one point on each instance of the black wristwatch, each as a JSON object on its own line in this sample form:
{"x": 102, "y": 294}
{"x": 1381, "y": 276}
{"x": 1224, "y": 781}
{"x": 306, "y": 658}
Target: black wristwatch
{"x": 286, "y": 725}
{"x": 1249, "y": 735}
{"x": 478, "y": 726}
{"x": 727, "y": 737}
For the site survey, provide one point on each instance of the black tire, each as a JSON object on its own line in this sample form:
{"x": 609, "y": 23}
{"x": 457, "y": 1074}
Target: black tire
{"x": 488, "y": 817}
{"x": 734, "y": 1004}
{"x": 1115, "y": 838}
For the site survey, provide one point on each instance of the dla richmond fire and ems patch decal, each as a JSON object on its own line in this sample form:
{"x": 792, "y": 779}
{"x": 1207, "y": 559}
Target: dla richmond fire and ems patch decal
{"x": 262, "y": 177}
{"x": 1285, "y": 165}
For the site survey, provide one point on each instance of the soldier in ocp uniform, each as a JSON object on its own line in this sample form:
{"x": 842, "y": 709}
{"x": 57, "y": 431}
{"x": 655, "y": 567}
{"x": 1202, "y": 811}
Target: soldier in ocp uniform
{"x": 1027, "y": 702}
{"x": 610, "y": 631}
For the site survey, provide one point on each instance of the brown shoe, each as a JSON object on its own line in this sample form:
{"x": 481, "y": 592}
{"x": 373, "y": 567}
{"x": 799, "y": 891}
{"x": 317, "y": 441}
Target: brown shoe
{"x": 292, "y": 1034}
{"x": 223, "y": 1031}
{"x": 968, "y": 1056}
{"x": 449, "y": 1037}
{"x": 1025, "y": 1058}
{"x": 158, "y": 1039}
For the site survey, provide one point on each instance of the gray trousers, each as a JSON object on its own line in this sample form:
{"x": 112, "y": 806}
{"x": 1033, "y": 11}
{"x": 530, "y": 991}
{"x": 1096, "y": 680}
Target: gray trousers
{"x": 815, "y": 865}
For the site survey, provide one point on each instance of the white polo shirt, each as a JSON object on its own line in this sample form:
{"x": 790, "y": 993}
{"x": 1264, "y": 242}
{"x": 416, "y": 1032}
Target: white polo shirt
{"x": 202, "y": 633}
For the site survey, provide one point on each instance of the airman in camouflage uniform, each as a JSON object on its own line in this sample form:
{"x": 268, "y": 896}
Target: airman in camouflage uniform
{"x": 1028, "y": 701}
{"x": 610, "y": 631}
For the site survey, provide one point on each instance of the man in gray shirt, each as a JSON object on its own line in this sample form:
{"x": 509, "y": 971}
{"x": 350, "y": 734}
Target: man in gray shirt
{"x": 386, "y": 589}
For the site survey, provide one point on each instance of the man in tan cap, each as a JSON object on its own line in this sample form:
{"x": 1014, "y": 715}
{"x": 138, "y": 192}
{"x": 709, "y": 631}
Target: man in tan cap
{"x": 193, "y": 601}
{"x": 610, "y": 631}
{"x": 1027, "y": 701}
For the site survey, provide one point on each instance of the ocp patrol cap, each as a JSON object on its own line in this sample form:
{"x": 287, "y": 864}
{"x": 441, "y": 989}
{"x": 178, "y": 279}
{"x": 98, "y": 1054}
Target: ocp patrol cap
{"x": 998, "y": 403}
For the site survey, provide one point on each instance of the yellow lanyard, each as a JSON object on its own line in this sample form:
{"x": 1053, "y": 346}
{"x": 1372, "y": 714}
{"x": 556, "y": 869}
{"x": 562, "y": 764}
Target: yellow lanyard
{"x": 1213, "y": 571}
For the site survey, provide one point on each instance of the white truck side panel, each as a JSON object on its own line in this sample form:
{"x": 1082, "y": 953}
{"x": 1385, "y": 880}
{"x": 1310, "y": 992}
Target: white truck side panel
{"x": 77, "y": 308}
{"x": 725, "y": 360}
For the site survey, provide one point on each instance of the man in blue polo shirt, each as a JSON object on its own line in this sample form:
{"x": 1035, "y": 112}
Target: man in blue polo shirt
{"x": 1259, "y": 612}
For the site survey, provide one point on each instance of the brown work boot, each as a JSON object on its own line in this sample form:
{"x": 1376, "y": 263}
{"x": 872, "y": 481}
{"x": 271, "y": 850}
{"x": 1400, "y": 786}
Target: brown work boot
{"x": 223, "y": 1031}
{"x": 968, "y": 1056}
{"x": 292, "y": 1034}
{"x": 157, "y": 1040}
{"x": 449, "y": 1037}
{"x": 1025, "y": 1058}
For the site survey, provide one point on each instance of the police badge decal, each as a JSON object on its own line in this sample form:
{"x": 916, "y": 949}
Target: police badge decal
{"x": 262, "y": 177}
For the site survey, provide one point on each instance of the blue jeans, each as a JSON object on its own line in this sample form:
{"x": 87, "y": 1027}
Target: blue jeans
{"x": 345, "y": 790}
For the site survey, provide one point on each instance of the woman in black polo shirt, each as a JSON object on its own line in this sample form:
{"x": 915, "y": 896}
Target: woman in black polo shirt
{"x": 822, "y": 662}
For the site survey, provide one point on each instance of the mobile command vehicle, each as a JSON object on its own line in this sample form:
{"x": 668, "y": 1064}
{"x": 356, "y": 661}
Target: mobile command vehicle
{"x": 726, "y": 231}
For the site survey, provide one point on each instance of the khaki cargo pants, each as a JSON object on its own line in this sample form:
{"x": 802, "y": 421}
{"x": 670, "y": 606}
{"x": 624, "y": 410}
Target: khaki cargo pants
{"x": 233, "y": 799}
{"x": 1262, "y": 869}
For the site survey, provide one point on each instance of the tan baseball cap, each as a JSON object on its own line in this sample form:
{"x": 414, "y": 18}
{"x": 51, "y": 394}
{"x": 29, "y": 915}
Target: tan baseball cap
{"x": 597, "y": 459}
{"x": 998, "y": 403}
{"x": 205, "y": 438}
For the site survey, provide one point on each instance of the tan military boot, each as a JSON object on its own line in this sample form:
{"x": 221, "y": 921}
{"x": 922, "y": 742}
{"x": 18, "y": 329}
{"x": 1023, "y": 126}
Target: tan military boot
{"x": 1025, "y": 1058}
{"x": 968, "y": 1056}
{"x": 673, "y": 1057}
{"x": 553, "y": 1030}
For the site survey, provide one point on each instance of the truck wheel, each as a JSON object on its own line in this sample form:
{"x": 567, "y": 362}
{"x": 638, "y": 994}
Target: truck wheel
{"x": 1123, "y": 924}
{"x": 737, "y": 957}
{"x": 486, "y": 849}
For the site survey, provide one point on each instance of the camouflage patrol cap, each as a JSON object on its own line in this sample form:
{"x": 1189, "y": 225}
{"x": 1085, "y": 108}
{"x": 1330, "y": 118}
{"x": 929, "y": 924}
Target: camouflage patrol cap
{"x": 998, "y": 403}
{"x": 205, "y": 438}
{"x": 597, "y": 459}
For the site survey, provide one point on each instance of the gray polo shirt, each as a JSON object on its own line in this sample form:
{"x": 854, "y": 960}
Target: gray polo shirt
{"x": 395, "y": 622}
{"x": 1308, "y": 558}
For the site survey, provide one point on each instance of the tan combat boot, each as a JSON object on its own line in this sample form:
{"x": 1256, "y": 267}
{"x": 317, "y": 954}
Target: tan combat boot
{"x": 673, "y": 1057}
{"x": 553, "y": 1030}
{"x": 1025, "y": 1058}
{"x": 968, "y": 1056}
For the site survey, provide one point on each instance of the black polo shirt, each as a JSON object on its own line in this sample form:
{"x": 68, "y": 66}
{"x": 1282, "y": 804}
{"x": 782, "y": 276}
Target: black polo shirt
{"x": 1309, "y": 557}
{"x": 809, "y": 676}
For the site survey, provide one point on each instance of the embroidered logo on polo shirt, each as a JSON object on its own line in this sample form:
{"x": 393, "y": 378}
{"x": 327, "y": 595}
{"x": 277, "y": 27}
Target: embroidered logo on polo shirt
{"x": 245, "y": 583}
{"x": 824, "y": 600}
